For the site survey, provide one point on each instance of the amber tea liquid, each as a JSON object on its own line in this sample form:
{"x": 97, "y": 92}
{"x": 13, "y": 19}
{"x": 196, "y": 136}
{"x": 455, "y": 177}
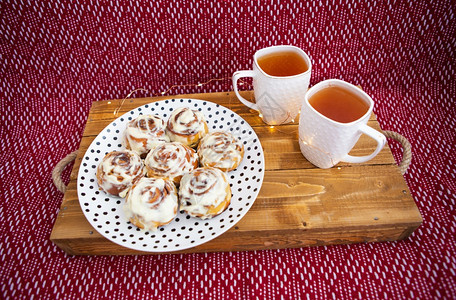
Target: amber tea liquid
{"x": 282, "y": 64}
{"x": 339, "y": 104}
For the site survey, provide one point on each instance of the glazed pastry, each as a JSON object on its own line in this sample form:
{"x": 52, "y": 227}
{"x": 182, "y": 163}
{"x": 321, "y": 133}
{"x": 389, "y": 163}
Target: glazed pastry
{"x": 171, "y": 161}
{"x": 220, "y": 150}
{"x": 118, "y": 171}
{"x": 186, "y": 126}
{"x": 145, "y": 133}
{"x": 151, "y": 202}
{"x": 204, "y": 192}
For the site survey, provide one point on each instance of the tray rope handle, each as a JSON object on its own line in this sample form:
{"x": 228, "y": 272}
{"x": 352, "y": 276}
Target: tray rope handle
{"x": 406, "y": 146}
{"x": 403, "y": 165}
{"x": 58, "y": 169}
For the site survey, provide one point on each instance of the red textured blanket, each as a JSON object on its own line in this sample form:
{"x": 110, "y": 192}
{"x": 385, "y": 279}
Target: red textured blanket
{"x": 57, "y": 57}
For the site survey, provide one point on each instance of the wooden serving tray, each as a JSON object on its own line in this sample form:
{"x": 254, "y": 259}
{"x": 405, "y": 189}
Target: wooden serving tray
{"x": 299, "y": 205}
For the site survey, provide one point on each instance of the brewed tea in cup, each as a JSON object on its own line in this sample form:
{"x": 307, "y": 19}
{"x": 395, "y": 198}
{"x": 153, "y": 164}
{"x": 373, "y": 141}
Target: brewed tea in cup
{"x": 283, "y": 63}
{"x": 333, "y": 117}
{"x": 281, "y": 76}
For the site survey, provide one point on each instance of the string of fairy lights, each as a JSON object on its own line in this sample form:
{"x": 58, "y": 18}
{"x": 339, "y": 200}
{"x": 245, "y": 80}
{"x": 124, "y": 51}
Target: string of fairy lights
{"x": 176, "y": 86}
{"x": 241, "y": 82}
{"x": 200, "y": 84}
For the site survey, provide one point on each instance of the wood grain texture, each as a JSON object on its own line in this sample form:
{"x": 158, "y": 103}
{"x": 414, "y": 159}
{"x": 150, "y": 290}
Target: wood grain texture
{"x": 298, "y": 205}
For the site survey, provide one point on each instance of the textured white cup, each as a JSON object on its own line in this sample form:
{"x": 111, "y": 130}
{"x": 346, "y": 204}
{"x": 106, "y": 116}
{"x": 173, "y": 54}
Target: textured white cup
{"x": 325, "y": 142}
{"x": 278, "y": 98}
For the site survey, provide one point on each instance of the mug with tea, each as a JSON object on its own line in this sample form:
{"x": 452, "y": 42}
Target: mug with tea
{"x": 334, "y": 114}
{"x": 281, "y": 76}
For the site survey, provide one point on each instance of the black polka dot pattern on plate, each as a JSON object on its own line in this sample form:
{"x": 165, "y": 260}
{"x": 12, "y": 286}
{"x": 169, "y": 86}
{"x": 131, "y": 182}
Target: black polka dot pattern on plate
{"x": 105, "y": 213}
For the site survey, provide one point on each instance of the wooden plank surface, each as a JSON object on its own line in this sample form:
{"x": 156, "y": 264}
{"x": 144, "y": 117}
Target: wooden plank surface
{"x": 298, "y": 205}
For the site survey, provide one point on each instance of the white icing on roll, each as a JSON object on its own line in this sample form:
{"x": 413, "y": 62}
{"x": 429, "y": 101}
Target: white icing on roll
{"x": 118, "y": 171}
{"x": 145, "y": 133}
{"x": 186, "y": 126}
{"x": 186, "y": 117}
{"x": 171, "y": 160}
{"x": 151, "y": 202}
{"x": 220, "y": 150}
{"x": 202, "y": 191}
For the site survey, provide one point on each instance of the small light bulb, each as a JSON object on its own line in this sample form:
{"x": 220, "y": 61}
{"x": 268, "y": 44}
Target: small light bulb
{"x": 292, "y": 120}
{"x": 271, "y": 127}
{"x": 200, "y": 84}
{"x": 109, "y": 102}
{"x": 261, "y": 116}
{"x": 162, "y": 93}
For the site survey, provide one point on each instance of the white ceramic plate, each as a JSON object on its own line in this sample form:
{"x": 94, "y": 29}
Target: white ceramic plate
{"x": 105, "y": 213}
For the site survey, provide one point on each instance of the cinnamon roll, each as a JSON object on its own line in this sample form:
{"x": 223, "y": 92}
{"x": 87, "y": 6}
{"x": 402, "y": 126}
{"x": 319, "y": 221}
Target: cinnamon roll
{"x": 171, "y": 161}
{"x": 204, "y": 192}
{"x": 220, "y": 150}
{"x": 118, "y": 171}
{"x": 145, "y": 133}
{"x": 151, "y": 202}
{"x": 186, "y": 126}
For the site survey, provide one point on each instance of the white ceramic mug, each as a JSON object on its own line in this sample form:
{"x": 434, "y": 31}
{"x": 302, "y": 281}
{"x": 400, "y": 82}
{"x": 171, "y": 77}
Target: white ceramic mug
{"x": 325, "y": 142}
{"x": 278, "y": 98}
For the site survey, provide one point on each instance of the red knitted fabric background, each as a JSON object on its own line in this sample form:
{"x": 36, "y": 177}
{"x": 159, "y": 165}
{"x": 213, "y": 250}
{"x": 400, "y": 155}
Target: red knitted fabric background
{"x": 58, "y": 57}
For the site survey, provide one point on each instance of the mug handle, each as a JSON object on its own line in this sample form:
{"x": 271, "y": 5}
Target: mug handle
{"x": 381, "y": 141}
{"x": 236, "y": 76}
